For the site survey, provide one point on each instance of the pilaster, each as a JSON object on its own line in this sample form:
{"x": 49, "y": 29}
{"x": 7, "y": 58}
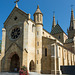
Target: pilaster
{"x": 53, "y": 59}
{"x": 58, "y": 60}
{"x": 3, "y": 42}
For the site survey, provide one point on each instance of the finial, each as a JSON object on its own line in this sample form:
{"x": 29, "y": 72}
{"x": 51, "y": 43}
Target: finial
{"x": 57, "y": 22}
{"x": 72, "y": 7}
{"x": 16, "y": 3}
{"x": 53, "y": 13}
{"x": 38, "y": 7}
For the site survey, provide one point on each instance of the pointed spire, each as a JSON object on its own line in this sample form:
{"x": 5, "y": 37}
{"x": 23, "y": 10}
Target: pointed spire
{"x": 54, "y": 23}
{"x": 37, "y": 6}
{"x": 72, "y": 14}
{"x": 72, "y": 21}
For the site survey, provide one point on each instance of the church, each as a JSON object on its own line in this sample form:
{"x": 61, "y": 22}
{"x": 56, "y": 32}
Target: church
{"x": 25, "y": 42}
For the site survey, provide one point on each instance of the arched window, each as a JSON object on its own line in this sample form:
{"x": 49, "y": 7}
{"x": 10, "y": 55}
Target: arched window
{"x": 37, "y": 43}
{"x": 72, "y": 28}
{"x": 38, "y": 17}
{"x": 37, "y": 32}
{"x": 37, "y": 51}
{"x": 59, "y": 36}
{"x": 37, "y": 61}
{"x": 45, "y": 51}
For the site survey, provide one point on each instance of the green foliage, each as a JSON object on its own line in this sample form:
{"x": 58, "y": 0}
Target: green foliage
{"x": 0, "y": 45}
{"x": 24, "y": 68}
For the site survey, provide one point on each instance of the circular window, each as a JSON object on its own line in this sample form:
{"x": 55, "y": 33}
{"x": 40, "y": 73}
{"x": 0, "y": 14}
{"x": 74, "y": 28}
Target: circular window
{"x": 15, "y": 33}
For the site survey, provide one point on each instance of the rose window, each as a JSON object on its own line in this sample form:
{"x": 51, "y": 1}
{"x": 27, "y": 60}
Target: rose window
{"x": 15, "y": 33}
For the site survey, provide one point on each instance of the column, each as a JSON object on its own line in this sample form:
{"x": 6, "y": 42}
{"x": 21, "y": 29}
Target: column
{"x": 58, "y": 60}
{"x": 53, "y": 59}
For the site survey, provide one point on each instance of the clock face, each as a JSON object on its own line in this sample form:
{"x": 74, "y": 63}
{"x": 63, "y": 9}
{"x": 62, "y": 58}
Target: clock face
{"x": 15, "y": 33}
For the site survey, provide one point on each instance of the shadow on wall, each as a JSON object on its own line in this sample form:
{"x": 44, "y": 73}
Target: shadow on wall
{"x": 68, "y": 70}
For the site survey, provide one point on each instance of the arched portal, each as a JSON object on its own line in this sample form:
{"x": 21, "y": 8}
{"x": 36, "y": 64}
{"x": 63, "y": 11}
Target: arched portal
{"x": 32, "y": 66}
{"x": 15, "y": 63}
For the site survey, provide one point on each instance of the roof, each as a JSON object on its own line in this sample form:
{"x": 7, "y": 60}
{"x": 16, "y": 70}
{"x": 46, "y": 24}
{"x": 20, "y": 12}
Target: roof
{"x": 57, "y": 29}
{"x": 22, "y": 12}
{"x": 38, "y": 10}
{"x": 69, "y": 41}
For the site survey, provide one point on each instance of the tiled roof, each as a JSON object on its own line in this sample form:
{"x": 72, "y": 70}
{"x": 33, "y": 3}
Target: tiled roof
{"x": 56, "y": 29}
{"x": 69, "y": 41}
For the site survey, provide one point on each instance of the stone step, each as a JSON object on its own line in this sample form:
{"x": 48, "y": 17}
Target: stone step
{"x": 30, "y": 73}
{"x": 7, "y": 73}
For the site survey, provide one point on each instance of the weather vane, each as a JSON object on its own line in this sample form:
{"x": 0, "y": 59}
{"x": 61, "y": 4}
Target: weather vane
{"x": 16, "y": 3}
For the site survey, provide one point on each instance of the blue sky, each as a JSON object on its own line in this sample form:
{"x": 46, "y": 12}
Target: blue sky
{"x": 62, "y": 10}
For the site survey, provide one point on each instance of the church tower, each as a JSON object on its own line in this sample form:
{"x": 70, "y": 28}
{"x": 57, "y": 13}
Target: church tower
{"x": 38, "y": 19}
{"x": 71, "y": 30}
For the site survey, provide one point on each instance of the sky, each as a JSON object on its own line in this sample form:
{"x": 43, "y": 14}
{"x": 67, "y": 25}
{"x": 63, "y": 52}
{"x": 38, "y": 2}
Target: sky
{"x": 62, "y": 10}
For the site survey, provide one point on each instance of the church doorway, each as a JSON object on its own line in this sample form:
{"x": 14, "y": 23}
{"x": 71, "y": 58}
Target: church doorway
{"x": 32, "y": 66}
{"x": 14, "y": 64}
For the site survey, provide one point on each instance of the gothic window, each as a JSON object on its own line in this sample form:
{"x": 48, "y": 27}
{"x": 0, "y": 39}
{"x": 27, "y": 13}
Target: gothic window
{"x": 37, "y": 61}
{"x": 37, "y": 33}
{"x": 59, "y": 52}
{"x": 37, "y": 51}
{"x": 15, "y": 33}
{"x": 38, "y": 17}
{"x": 59, "y": 36}
{"x": 45, "y": 51}
{"x": 37, "y": 43}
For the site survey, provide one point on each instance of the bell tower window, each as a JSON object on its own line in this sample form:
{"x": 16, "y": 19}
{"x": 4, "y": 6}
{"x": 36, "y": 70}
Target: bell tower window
{"x": 45, "y": 51}
{"x": 38, "y": 17}
{"x": 59, "y": 36}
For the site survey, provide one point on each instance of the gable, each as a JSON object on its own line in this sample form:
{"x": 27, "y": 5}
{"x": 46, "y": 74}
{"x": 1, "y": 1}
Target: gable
{"x": 16, "y": 12}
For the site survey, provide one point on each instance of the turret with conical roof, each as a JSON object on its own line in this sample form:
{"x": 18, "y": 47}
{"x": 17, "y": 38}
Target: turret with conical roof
{"x": 38, "y": 36}
{"x": 38, "y": 16}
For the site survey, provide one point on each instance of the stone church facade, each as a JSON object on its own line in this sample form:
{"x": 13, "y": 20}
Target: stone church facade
{"x": 25, "y": 42}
